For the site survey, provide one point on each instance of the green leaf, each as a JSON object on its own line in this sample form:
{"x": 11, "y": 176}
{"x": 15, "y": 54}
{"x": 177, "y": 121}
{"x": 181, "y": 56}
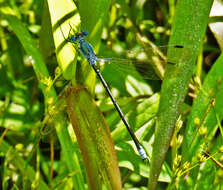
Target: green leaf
{"x": 94, "y": 140}
{"x": 93, "y": 15}
{"x": 64, "y": 15}
{"x": 188, "y": 30}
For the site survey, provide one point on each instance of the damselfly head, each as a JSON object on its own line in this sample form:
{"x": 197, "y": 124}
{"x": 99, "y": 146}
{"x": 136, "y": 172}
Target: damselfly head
{"x": 84, "y": 33}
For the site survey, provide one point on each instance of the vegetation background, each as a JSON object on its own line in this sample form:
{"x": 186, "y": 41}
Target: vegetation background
{"x": 38, "y": 146}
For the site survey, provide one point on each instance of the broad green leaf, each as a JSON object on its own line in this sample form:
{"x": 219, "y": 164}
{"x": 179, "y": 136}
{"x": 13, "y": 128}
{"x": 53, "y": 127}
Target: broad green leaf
{"x": 94, "y": 140}
{"x": 64, "y": 15}
{"x": 93, "y": 15}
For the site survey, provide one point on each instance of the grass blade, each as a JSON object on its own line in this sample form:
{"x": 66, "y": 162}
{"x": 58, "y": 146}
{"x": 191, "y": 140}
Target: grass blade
{"x": 190, "y": 15}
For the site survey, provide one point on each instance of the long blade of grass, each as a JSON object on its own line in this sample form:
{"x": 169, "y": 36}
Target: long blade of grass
{"x": 188, "y": 29}
{"x": 31, "y": 49}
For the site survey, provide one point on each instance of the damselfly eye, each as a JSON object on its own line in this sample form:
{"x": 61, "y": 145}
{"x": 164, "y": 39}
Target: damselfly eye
{"x": 73, "y": 38}
{"x": 85, "y": 33}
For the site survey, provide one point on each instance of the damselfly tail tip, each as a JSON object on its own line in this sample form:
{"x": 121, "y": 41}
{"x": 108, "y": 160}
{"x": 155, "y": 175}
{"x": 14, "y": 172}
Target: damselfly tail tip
{"x": 142, "y": 153}
{"x": 146, "y": 160}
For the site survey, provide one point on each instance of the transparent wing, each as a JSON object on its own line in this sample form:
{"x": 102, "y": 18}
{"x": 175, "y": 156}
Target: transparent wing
{"x": 138, "y": 63}
{"x": 150, "y": 67}
{"x": 129, "y": 66}
{"x": 161, "y": 52}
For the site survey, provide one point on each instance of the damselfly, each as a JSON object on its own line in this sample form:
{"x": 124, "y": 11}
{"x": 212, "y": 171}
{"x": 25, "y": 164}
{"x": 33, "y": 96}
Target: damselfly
{"x": 87, "y": 51}
{"x": 127, "y": 65}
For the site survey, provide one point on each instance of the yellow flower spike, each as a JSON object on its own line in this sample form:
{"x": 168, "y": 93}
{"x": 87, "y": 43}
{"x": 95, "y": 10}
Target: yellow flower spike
{"x": 186, "y": 165}
{"x": 47, "y": 81}
{"x": 50, "y": 101}
{"x": 179, "y": 124}
{"x": 179, "y": 140}
{"x": 57, "y": 72}
{"x": 203, "y": 130}
{"x": 177, "y": 161}
{"x": 197, "y": 121}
